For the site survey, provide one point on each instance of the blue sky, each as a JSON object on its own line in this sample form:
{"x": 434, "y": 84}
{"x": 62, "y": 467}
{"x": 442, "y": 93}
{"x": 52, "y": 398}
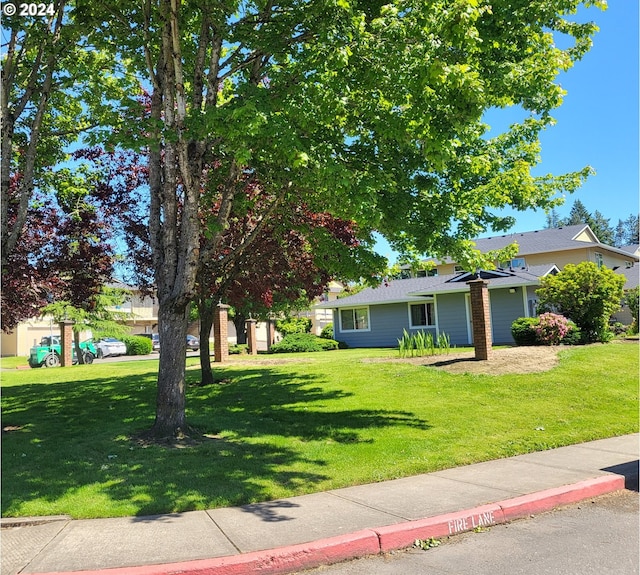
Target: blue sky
{"x": 597, "y": 125}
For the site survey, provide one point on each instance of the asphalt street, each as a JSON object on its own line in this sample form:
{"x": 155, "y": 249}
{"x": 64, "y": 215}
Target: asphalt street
{"x": 594, "y": 537}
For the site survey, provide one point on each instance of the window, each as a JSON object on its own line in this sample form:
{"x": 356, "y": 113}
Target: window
{"x": 354, "y": 319}
{"x": 458, "y": 269}
{"x": 515, "y": 263}
{"x": 421, "y": 314}
{"x": 427, "y": 273}
{"x": 599, "y": 259}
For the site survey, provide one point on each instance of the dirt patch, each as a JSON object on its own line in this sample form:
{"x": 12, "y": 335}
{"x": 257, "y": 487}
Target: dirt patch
{"x": 255, "y": 360}
{"x": 502, "y": 361}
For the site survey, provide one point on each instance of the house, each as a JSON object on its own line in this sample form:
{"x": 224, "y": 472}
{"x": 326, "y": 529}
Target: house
{"x": 141, "y": 312}
{"x": 321, "y": 317}
{"x": 440, "y": 302}
{"x": 560, "y": 246}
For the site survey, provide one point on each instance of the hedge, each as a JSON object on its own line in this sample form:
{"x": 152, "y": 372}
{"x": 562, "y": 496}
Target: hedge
{"x": 301, "y": 342}
{"x": 137, "y": 345}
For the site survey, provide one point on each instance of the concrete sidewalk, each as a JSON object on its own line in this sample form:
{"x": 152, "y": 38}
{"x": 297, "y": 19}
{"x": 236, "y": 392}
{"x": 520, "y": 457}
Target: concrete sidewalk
{"x": 303, "y": 532}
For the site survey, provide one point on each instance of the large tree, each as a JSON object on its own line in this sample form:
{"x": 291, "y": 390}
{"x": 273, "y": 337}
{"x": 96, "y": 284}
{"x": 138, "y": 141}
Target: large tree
{"x": 370, "y": 112}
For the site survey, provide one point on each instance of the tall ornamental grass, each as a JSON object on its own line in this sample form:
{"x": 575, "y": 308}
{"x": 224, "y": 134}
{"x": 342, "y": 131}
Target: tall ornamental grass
{"x": 423, "y": 343}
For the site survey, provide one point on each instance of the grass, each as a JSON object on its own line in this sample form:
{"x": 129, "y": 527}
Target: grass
{"x": 13, "y": 362}
{"x": 325, "y": 420}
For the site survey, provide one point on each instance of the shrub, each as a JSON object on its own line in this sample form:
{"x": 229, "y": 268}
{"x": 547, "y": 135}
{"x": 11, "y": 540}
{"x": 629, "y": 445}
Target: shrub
{"x": 618, "y": 328}
{"x": 551, "y": 329}
{"x": 301, "y": 342}
{"x": 137, "y": 345}
{"x": 632, "y": 299}
{"x": 523, "y": 330}
{"x": 327, "y": 331}
{"x": 574, "y": 337}
{"x": 546, "y": 329}
{"x": 239, "y": 349}
{"x": 293, "y": 325}
{"x": 586, "y": 294}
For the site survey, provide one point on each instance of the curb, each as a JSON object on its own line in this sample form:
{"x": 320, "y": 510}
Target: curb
{"x": 380, "y": 540}
{"x": 7, "y": 522}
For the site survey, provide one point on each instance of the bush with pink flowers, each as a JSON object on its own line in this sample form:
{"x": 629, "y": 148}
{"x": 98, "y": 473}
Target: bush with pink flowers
{"x": 552, "y": 328}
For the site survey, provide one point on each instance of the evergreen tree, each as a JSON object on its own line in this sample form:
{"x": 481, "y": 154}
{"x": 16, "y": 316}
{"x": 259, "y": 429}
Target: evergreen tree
{"x": 553, "y": 219}
{"x": 620, "y": 234}
{"x": 602, "y": 229}
{"x": 596, "y": 221}
{"x": 578, "y": 215}
{"x": 632, "y": 230}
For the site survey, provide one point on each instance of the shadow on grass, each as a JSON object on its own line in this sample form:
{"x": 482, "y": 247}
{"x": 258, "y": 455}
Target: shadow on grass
{"x": 68, "y": 446}
{"x": 446, "y": 362}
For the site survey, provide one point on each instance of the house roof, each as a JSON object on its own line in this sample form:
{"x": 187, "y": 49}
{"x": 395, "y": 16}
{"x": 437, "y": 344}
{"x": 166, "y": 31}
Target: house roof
{"x": 544, "y": 241}
{"x": 632, "y": 275}
{"x": 631, "y": 249}
{"x": 416, "y": 289}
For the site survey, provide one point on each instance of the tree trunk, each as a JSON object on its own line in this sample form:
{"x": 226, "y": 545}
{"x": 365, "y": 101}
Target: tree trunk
{"x": 206, "y": 310}
{"x": 170, "y": 404}
{"x": 240, "y": 322}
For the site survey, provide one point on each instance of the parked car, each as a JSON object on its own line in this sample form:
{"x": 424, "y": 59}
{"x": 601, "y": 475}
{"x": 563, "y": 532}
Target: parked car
{"x": 154, "y": 337}
{"x": 193, "y": 343}
{"x": 47, "y": 353}
{"x": 107, "y": 346}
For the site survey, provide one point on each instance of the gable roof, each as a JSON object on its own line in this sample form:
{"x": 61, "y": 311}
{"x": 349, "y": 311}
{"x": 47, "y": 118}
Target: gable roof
{"x": 544, "y": 241}
{"x": 632, "y": 275}
{"x": 547, "y": 240}
{"x": 416, "y": 289}
{"x": 631, "y": 249}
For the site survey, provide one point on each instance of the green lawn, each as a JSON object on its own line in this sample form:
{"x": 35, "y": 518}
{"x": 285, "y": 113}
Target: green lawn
{"x": 284, "y": 429}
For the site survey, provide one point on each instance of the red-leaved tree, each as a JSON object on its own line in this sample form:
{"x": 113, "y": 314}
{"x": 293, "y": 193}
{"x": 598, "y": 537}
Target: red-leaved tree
{"x": 68, "y": 249}
{"x": 289, "y": 257}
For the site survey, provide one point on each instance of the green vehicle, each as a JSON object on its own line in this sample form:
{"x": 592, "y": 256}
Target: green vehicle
{"x": 49, "y": 351}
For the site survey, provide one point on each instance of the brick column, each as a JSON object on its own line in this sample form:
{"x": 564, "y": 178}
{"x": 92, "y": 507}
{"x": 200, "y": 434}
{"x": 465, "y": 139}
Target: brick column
{"x": 252, "y": 337}
{"x": 66, "y": 343}
{"x": 221, "y": 333}
{"x": 481, "y": 318}
{"x": 271, "y": 333}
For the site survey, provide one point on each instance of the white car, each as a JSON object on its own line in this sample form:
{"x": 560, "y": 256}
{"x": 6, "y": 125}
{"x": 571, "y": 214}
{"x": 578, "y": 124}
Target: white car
{"x": 110, "y": 346}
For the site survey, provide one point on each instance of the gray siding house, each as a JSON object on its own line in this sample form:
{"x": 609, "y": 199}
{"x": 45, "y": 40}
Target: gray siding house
{"x": 439, "y": 303}
{"x": 377, "y": 317}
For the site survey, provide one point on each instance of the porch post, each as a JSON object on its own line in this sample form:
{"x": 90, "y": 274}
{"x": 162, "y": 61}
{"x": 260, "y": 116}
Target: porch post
{"x": 66, "y": 343}
{"x": 221, "y": 333}
{"x": 481, "y": 318}
{"x": 252, "y": 337}
{"x": 271, "y": 332}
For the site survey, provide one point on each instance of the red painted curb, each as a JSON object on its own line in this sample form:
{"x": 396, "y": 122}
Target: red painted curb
{"x": 272, "y": 561}
{"x": 405, "y": 534}
{"x": 295, "y": 557}
{"x": 372, "y": 542}
{"x": 546, "y": 500}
